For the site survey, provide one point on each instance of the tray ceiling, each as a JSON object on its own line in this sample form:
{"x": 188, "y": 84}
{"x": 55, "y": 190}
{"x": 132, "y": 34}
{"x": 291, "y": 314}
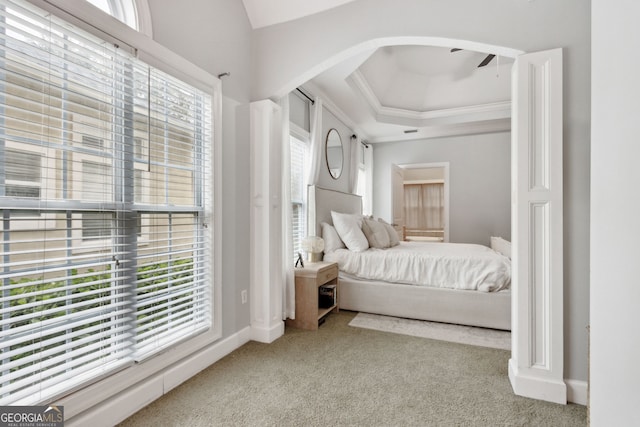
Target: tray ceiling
{"x": 430, "y": 90}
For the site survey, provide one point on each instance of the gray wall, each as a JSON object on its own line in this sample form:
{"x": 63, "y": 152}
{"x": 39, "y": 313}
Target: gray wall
{"x": 479, "y": 181}
{"x": 289, "y": 54}
{"x": 615, "y": 347}
{"x": 325, "y": 180}
{"x": 216, "y": 36}
{"x": 329, "y": 121}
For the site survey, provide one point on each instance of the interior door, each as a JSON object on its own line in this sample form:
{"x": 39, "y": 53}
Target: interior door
{"x": 397, "y": 195}
{"x": 536, "y": 365}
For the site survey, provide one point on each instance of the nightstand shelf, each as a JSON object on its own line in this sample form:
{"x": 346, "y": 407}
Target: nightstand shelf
{"x": 308, "y": 282}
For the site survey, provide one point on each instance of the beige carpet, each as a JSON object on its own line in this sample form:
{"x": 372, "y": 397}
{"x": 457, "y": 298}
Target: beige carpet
{"x": 481, "y": 337}
{"x": 345, "y": 376}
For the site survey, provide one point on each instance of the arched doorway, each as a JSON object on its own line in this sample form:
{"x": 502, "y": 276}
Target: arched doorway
{"x": 536, "y": 366}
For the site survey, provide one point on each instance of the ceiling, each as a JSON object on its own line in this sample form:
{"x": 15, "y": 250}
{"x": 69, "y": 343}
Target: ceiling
{"x": 425, "y": 90}
{"x": 404, "y": 92}
{"x": 263, "y": 13}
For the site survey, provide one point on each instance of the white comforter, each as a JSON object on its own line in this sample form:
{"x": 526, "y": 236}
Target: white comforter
{"x": 445, "y": 265}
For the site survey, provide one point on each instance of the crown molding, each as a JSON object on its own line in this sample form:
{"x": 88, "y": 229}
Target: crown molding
{"x": 469, "y": 128}
{"x": 335, "y": 110}
{"x": 413, "y": 118}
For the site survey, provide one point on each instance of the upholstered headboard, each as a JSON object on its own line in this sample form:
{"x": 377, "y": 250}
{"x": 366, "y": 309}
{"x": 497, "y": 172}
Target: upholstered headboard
{"x": 323, "y": 201}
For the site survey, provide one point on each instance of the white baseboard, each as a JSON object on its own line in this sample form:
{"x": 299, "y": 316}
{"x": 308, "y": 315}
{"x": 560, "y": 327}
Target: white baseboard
{"x": 577, "y": 391}
{"x": 537, "y": 387}
{"x": 124, "y": 404}
{"x": 267, "y": 335}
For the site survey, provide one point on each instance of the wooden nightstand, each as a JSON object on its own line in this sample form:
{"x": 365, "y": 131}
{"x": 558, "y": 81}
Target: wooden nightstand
{"x": 308, "y": 282}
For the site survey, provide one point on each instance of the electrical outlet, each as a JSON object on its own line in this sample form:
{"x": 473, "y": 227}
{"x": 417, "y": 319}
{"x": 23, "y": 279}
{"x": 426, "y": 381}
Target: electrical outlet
{"x": 243, "y": 296}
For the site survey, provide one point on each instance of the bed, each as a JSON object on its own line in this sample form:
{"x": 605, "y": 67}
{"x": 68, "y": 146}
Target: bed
{"x": 459, "y": 306}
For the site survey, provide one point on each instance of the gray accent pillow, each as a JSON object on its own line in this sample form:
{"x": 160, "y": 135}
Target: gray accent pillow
{"x": 393, "y": 234}
{"x": 376, "y": 234}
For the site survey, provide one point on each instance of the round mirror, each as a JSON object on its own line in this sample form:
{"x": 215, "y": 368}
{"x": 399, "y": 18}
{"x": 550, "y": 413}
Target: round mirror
{"x": 333, "y": 147}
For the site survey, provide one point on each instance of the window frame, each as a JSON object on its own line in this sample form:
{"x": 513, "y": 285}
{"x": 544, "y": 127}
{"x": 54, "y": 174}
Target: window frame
{"x": 91, "y": 19}
{"x": 135, "y": 14}
{"x": 79, "y": 243}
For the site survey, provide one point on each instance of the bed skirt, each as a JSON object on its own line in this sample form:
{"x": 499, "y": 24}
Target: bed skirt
{"x": 472, "y": 308}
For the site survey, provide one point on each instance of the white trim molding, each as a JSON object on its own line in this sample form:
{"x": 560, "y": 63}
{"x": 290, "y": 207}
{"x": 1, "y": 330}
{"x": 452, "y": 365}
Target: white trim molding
{"x": 126, "y": 403}
{"x": 385, "y": 114}
{"x": 469, "y": 128}
{"x": 577, "y": 391}
{"x": 535, "y": 387}
{"x": 335, "y": 110}
{"x": 143, "y": 15}
{"x": 266, "y": 275}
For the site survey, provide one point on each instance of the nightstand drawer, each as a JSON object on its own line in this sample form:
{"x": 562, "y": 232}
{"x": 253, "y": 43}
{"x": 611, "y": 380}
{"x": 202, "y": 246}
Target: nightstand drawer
{"x": 328, "y": 274}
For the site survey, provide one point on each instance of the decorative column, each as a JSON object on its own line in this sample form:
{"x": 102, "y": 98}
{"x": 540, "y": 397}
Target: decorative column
{"x": 536, "y": 366}
{"x": 266, "y": 222}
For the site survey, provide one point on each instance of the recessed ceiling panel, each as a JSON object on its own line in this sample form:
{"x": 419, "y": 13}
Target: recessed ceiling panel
{"x": 424, "y": 78}
{"x": 386, "y": 91}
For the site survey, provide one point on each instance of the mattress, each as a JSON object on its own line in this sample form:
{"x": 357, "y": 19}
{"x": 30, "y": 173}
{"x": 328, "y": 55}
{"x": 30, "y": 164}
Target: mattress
{"x": 443, "y": 265}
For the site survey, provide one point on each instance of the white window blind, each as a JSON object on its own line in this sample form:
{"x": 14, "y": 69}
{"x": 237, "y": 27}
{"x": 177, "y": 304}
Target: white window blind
{"x": 299, "y": 158}
{"x": 105, "y": 197}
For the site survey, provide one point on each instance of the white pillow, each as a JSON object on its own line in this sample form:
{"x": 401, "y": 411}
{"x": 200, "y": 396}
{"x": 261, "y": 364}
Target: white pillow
{"x": 349, "y": 229}
{"x": 502, "y": 246}
{"x": 393, "y": 234}
{"x": 376, "y": 234}
{"x": 331, "y": 239}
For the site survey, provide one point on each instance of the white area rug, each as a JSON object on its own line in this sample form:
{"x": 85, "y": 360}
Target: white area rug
{"x": 438, "y": 331}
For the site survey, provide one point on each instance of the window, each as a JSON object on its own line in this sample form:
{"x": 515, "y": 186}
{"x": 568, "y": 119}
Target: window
{"x": 22, "y": 174}
{"x": 364, "y": 176}
{"x": 25, "y": 173}
{"x": 117, "y": 155}
{"x": 424, "y": 206}
{"x": 123, "y": 10}
{"x": 92, "y": 142}
{"x": 299, "y": 123}
{"x": 299, "y": 171}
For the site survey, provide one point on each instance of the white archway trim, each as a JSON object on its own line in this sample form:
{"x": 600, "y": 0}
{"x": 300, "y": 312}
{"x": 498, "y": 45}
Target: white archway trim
{"x": 536, "y": 367}
{"x": 372, "y": 45}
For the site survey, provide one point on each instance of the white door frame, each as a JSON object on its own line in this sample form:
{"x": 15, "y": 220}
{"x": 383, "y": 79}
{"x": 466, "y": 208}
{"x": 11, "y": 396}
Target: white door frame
{"x": 397, "y": 199}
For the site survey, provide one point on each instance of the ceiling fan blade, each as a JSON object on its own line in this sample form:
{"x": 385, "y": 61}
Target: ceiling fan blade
{"x": 486, "y": 60}
{"x": 455, "y": 49}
